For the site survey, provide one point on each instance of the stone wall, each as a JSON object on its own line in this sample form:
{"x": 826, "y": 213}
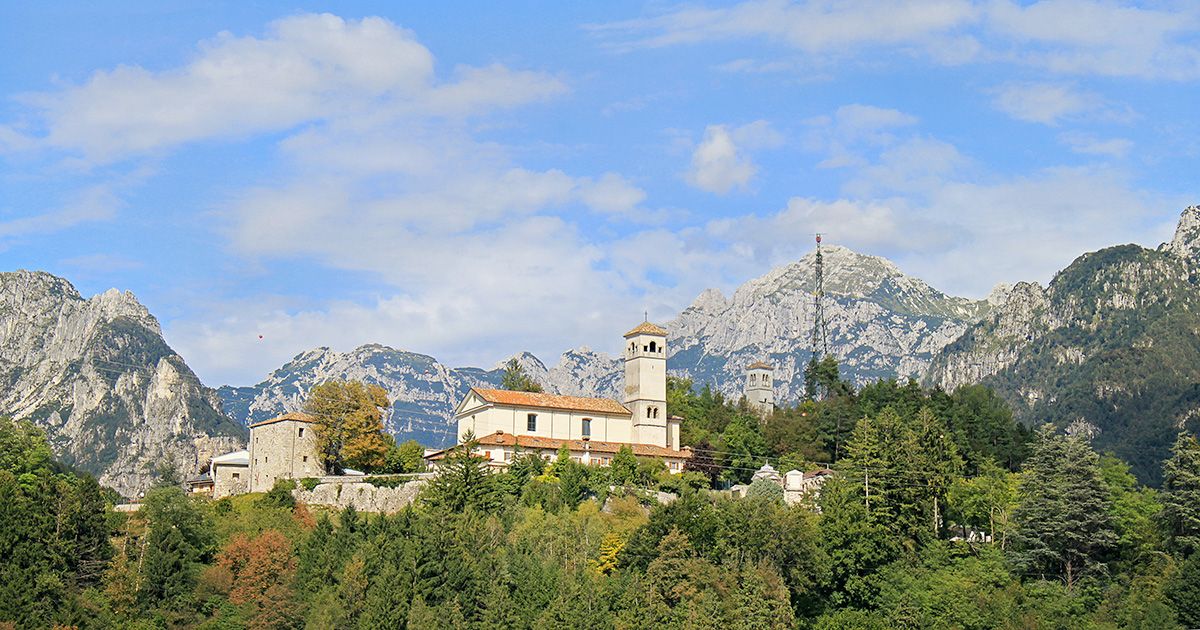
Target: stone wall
{"x": 341, "y": 493}
{"x": 229, "y": 480}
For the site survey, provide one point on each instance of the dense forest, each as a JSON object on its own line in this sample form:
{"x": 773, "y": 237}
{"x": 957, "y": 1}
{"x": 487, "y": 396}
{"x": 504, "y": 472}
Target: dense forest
{"x": 942, "y": 513}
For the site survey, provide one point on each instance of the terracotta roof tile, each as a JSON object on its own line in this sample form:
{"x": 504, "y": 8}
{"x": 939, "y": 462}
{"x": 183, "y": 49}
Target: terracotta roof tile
{"x": 646, "y": 328}
{"x": 296, "y": 416}
{"x": 533, "y": 442}
{"x": 760, "y": 365}
{"x": 551, "y": 401}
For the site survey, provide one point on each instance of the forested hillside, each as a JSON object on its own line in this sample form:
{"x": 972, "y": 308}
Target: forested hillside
{"x": 942, "y": 512}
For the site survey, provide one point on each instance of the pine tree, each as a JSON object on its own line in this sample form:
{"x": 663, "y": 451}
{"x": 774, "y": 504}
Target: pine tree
{"x": 1063, "y": 522}
{"x": 1181, "y": 495}
{"x": 463, "y": 482}
{"x": 515, "y": 379}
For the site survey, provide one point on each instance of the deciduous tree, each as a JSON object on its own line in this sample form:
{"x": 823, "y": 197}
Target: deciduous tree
{"x": 348, "y": 420}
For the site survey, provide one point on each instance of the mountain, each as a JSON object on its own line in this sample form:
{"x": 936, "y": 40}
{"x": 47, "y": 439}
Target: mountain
{"x": 96, "y": 374}
{"x": 1112, "y": 344}
{"x": 882, "y": 323}
{"x": 422, "y": 390}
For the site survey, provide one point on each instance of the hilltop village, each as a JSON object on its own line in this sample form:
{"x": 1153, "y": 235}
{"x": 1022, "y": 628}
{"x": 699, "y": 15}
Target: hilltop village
{"x": 502, "y": 425}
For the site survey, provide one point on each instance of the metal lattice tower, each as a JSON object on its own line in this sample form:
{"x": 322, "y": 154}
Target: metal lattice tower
{"x": 820, "y": 331}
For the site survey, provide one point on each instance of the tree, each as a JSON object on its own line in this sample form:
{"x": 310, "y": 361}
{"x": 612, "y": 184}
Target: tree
{"x": 1181, "y": 495}
{"x": 23, "y": 447}
{"x": 766, "y": 490}
{"x": 515, "y": 378}
{"x": 624, "y": 466}
{"x": 262, "y": 569}
{"x": 408, "y": 457}
{"x": 1183, "y": 591}
{"x": 463, "y": 482}
{"x": 178, "y": 539}
{"x": 348, "y": 420}
{"x": 1063, "y": 523}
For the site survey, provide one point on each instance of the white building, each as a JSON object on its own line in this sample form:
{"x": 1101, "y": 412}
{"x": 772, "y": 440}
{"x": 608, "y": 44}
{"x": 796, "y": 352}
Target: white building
{"x": 593, "y": 429}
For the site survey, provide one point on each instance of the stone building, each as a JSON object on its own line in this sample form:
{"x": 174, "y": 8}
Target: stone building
{"x": 760, "y": 390}
{"x": 230, "y": 473}
{"x": 284, "y": 447}
{"x": 593, "y": 429}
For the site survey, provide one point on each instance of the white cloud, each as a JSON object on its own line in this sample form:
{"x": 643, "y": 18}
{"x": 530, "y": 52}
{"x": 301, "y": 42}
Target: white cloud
{"x": 719, "y": 162}
{"x": 1077, "y": 37}
{"x": 852, "y": 128}
{"x": 1087, "y": 37}
{"x": 1089, "y": 144}
{"x": 306, "y": 68}
{"x": 812, "y": 26}
{"x": 1044, "y": 103}
{"x": 95, "y": 203}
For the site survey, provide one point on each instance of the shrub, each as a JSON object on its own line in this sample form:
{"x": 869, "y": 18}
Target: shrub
{"x": 280, "y": 495}
{"x": 308, "y": 483}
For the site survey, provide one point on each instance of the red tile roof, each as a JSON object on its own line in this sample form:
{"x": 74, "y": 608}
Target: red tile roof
{"x": 646, "y": 328}
{"x": 551, "y": 401}
{"x": 295, "y": 416}
{"x": 760, "y": 365}
{"x": 500, "y": 438}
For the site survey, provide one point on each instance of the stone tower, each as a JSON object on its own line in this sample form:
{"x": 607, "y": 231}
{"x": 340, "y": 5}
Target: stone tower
{"x": 646, "y": 383}
{"x": 760, "y": 392}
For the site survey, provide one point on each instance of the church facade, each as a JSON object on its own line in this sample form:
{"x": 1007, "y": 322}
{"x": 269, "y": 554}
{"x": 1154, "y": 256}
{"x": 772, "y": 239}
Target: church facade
{"x": 593, "y": 429}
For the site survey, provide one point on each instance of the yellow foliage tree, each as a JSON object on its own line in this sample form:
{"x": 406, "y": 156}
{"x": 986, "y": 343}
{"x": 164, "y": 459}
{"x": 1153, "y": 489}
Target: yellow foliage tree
{"x": 348, "y": 421}
{"x": 610, "y": 547}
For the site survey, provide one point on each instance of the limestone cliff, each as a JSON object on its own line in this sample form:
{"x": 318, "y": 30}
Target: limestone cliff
{"x": 1113, "y": 342}
{"x": 96, "y": 374}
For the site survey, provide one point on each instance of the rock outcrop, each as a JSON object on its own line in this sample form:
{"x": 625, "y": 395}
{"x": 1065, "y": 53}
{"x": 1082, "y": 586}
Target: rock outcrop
{"x": 96, "y": 374}
{"x": 1112, "y": 344}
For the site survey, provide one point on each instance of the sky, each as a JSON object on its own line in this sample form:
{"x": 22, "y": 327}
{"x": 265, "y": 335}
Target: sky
{"x": 471, "y": 180}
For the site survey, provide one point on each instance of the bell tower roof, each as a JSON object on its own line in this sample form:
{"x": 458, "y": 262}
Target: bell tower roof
{"x": 646, "y": 328}
{"x": 760, "y": 365}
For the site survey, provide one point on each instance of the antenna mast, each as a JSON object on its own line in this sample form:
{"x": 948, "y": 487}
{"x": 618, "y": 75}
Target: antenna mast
{"x": 820, "y": 332}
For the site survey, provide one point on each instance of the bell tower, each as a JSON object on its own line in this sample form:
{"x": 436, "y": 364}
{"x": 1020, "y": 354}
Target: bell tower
{"x": 646, "y": 383}
{"x": 760, "y": 391}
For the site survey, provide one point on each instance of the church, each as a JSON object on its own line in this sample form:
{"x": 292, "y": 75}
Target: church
{"x": 593, "y": 429}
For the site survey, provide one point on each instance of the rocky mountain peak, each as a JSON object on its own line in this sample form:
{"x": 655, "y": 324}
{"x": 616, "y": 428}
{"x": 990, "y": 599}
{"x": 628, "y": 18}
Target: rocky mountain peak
{"x": 1186, "y": 243}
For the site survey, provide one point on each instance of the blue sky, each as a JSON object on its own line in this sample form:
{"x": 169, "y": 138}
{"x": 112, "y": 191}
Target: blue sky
{"x": 475, "y": 180}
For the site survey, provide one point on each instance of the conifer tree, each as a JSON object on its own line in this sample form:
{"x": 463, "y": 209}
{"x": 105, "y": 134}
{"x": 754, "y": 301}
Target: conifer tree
{"x": 463, "y": 482}
{"x": 1063, "y": 525}
{"x": 516, "y": 379}
{"x": 624, "y": 466}
{"x": 1181, "y": 495}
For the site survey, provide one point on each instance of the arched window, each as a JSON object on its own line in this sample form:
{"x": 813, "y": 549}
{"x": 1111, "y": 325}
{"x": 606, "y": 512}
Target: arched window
{"x": 653, "y": 347}
{"x": 648, "y": 411}
{"x": 587, "y": 427}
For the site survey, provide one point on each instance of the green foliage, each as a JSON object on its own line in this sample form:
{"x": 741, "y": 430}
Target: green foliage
{"x": 1181, "y": 495}
{"x": 23, "y": 448}
{"x": 408, "y": 457}
{"x": 178, "y": 538}
{"x": 765, "y": 490}
{"x": 280, "y": 495}
{"x": 515, "y": 379}
{"x": 1063, "y": 519}
{"x": 624, "y": 466}
{"x": 309, "y": 483}
{"x": 464, "y": 482}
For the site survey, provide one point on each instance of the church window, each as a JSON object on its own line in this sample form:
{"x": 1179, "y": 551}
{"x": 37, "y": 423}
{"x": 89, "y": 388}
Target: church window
{"x": 648, "y": 412}
{"x": 531, "y": 422}
{"x": 587, "y": 427}
{"x": 653, "y": 347}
